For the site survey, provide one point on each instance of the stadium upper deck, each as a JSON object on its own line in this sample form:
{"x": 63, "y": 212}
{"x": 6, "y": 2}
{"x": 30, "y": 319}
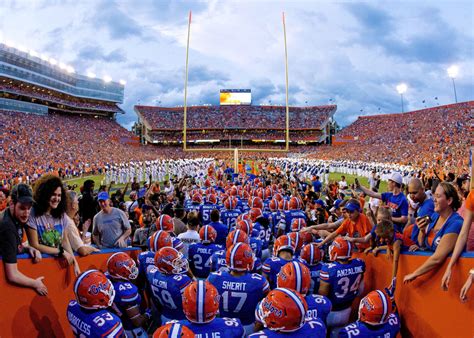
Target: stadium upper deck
{"x": 34, "y": 84}
{"x": 219, "y": 123}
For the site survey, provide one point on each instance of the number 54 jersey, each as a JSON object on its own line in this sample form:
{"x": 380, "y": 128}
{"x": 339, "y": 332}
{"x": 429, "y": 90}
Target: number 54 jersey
{"x": 344, "y": 280}
{"x": 239, "y": 295}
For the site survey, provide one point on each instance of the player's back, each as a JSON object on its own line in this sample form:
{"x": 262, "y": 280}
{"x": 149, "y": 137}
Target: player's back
{"x": 318, "y": 307}
{"x": 126, "y": 295}
{"x": 218, "y": 328}
{"x": 205, "y": 213}
{"x": 314, "y": 328}
{"x": 167, "y": 289}
{"x": 359, "y": 329}
{"x": 271, "y": 267}
{"x": 199, "y": 255}
{"x": 145, "y": 259}
{"x": 229, "y": 217}
{"x": 314, "y": 271}
{"x": 93, "y": 323}
{"x": 218, "y": 260}
{"x": 239, "y": 295}
{"x": 344, "y": 280}
{"x": 290, "y": 215}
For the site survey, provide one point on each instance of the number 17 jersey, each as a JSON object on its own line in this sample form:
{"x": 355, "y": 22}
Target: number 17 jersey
{"x": 239, "y": 295}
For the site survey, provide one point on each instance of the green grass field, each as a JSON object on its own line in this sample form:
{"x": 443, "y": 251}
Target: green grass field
{"x": 332, "y": 177}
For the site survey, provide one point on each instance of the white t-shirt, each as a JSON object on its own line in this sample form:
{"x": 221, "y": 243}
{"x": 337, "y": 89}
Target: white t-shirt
{"x": 189, "y": 237}
{"x": 343, "y": 185}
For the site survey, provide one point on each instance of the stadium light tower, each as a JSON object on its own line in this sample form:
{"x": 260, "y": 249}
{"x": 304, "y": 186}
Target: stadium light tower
{"x": 401, "y": 89}
{"x": 453, "y": 72}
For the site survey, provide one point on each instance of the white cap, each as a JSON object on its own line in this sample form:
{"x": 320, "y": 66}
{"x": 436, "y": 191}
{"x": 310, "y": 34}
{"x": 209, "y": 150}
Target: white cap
{"x": 396, "y": 177}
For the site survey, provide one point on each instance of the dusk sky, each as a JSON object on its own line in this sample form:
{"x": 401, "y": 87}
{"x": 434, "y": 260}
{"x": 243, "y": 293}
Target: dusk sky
{"x": 351, "y": 53}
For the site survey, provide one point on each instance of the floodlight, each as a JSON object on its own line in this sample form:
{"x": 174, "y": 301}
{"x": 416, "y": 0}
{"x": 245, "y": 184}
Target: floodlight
{"x": 402, "y": 88}
{"x": 453, "y": 71}
{"x": 123, "y": 82}
{"x": 107, "y": 78}
{"x": 53, "y": 61}
{"x": 70, "y": 69}
{"x": 91, "y": 75}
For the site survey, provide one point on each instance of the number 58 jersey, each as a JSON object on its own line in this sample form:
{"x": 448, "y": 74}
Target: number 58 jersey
{"x": 344, "y": 280}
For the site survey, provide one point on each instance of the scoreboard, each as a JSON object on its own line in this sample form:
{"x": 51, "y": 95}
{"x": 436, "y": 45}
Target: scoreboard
{"x": 235, "y": 97}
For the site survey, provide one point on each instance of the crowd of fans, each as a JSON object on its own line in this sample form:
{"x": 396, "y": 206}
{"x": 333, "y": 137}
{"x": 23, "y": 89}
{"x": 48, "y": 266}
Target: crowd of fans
{"x": 30, "y": 91}
{"x": 236, "y": 117}
{"x": 237, "y": 243}
{"x": 434, "y": 138}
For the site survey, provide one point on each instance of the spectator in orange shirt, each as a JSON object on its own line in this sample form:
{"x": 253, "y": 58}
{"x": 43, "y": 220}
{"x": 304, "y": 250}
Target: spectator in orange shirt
{"x": 356, "y": 225}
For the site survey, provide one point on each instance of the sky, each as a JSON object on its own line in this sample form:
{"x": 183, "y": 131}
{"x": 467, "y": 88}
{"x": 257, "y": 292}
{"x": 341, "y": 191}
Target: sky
{"x": 350, "y": 53}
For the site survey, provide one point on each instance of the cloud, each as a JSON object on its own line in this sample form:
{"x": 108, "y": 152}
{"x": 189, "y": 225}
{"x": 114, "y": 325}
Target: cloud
{"x": 119, "y": 25}
{"x": 96, "y": 53}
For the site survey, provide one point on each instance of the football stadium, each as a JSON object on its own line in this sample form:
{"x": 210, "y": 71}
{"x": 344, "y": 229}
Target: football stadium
{"x": 243, "y": 180}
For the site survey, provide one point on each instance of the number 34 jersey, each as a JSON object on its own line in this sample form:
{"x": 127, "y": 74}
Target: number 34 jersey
{"x": 344, "y": 280}
{"x": 239, "y": 295}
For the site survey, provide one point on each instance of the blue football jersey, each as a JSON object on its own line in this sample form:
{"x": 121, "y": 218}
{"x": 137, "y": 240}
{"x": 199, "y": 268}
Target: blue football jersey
{"x": 199, "y": 256}
{"x": 344, "y": 280}
{"x": 239, "y": 295}
{"x": 228, "y": 217}
{"x": 263, "y": 234}
{"x": 314, "y": 328}
{"x": 177, "y": 243}
{"x": 359, "y": 329}
{"x": 218, "y": 260}
{"x": 145, "y": 259}
{"x": 218, "y": 328}
{"x": 93, "y": 323}
{"x": 222, "y": 232}
{"x": 167, "y": 291}
{"x": 256, "y": 245}
{"x": 318, "y": 307}
{"x": 205, "y": 213}
{"x": 271, "y": 267}
{"x": 126, "y": 296}
{"x": 290, "y": 215}
{"x": 275, "y": 219}
{"x": 193, "y": 207}
{"x": 314, "y": 270}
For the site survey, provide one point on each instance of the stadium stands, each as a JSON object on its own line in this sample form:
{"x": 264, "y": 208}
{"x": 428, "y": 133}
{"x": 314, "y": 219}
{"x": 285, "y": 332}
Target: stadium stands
{"x": 437, "y": 137}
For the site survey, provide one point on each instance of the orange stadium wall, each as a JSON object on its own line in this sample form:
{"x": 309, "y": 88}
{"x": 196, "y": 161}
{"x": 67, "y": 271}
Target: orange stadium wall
{"x": 426, "y": 310}
{"x": 23, "y": 313}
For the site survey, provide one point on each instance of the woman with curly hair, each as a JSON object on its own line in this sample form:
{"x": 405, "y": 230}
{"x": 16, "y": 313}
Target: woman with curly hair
{"x": 48, "y": 220}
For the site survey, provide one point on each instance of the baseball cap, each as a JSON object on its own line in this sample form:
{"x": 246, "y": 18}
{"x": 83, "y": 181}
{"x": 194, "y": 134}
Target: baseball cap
{"x": 103, "y": 196}
{"x": 351, "y": 207}
{"x": 320, "y": 202}
{"x": 396, "y": 177}
{"x": 337, "y": 203}
{"x": 22, "y": 193}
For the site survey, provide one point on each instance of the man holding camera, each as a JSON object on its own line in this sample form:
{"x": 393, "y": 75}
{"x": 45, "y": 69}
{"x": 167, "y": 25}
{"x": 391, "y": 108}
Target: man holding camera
{"x": 425, "y": 208}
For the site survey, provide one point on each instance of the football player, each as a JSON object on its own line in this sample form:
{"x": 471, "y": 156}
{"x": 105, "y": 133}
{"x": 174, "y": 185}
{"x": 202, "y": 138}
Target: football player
{"x": 283, "y": 314}
{"x": 283, "y": 251}
{"x": 165, "y": 223}
{"x": 240, "y": 289}
{"x": 200, "y": 253}
{"x": 89, "y": 314}
{"x": 121, "y": 270}
{"x": 218, "y": 259}
{"x": 294, "y": 211}
{"x": 167, "y": 280}
{"x": 262, "y": 228}
{"x": 158, "y": 240}
{"x": 230, "y": 213}
{"x": 311, "y": 255}
{"x": 377, "y": 318}
{"x": 341, "y": 281}
{"x": 206, "y": 208}
{"x": 201, "y": 306}
{"x": 173, "y": 330}
{"x": 296, "y": 276}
